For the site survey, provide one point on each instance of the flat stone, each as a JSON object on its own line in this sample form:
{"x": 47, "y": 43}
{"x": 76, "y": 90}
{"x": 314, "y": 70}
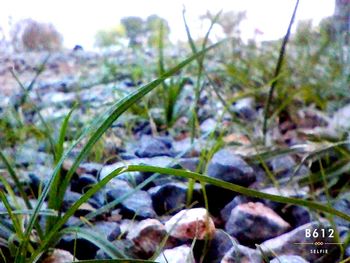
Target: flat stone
{"x": 154, "y": 146}
{"x": 190, "y": 224}
{"x": 228, "y": 166}
{"x": 253, "y": 223}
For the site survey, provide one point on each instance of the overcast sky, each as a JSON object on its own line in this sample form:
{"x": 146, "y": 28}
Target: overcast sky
{"x": 78, "y": 20}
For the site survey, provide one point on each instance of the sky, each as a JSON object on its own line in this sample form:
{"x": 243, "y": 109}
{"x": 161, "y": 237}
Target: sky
{"x": 79, "y": 20}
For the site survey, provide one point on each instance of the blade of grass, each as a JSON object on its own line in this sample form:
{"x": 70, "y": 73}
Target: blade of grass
{"x": 237, "y": 188}
{"x": 15, "y": 179}
{"x": 277, "y": 70}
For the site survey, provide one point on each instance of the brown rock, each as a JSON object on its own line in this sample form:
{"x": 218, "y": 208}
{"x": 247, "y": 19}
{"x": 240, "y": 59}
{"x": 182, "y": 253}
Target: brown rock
{"x": 190, "y": 224}
{"x": 254, "y": 222}
{"x": 147, "y": 237}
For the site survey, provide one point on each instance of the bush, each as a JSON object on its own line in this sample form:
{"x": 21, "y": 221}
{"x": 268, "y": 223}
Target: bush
{"x": 30, "y": 35}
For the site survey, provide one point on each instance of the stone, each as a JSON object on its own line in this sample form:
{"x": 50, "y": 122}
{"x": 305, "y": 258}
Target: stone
{"x": 179, "y": 254}
{"x": 208, "y": 125}
{"x": 190, "y": 224}
{"x": 154, "y": 146}
{"x": 59, "y": 256}
{"x": 284, "y": 166}
{"x": 218, "y": 247}
{"x": 245, "y": 108}
{"x": 83, "y": 183}
{"x": 71, "y": 197}
{"x": 80, "y": 247}
{"x": 242, "y": 254}
{"x": 253, "y": 223}
{"x": 138, "y": 204}
{"x": 285, "y": 244}
{"x": 237, "y": 200}
{"x": 111, "y": 230}
{"x": 288, "y": 259}
{"x": 227, "y": 166}
{"x": 147, "y": 236}
{"x": 296, "y": 215}
{"x": 170, "y": 198}
{"x": 90, "y": 168}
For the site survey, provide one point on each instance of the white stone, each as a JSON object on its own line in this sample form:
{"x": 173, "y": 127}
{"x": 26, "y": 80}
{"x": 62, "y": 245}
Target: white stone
{"x": 182, "y": 254}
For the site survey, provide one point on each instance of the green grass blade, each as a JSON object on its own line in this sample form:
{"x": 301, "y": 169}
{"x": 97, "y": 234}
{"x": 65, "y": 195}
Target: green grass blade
{"x": 278, "y": 69}
{"x": 14, "y": 219}
{"x": 15, "y": 179}
{"x": 238, "y": 189}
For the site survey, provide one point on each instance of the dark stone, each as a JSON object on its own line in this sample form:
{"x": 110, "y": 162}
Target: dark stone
{"x": 71, "y": 197}
{"x": 91, "y": 168}
{"x": 139, "y": 203}
{"x": 296, "y": 215}
{"x": 218, "y": 198}
{"x": 34, "y": 184}
{"x": 253, "y": 223}
{"x": 154, "y": 146}
{"x": 218, "y": 247}
{"x": 83, "y": 183}
{"x": 228, "y": 166}
{"x": 84, "y": 249}
{"x": 142, "y": 128}
{"x": 170, "y": 198}
{"x": 288, "y": 259}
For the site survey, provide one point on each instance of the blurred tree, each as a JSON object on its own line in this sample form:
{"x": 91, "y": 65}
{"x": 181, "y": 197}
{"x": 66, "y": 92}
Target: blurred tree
{"x": 134, "y": 28}
{"x": 153, "y": 25}
{"x": 31, "y": 35}
{"x": 110, "y": 37}
{"x": 342, "y": 17}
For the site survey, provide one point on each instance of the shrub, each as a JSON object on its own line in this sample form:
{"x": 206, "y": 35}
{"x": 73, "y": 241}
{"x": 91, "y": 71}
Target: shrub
{"x": 30, "y": 35}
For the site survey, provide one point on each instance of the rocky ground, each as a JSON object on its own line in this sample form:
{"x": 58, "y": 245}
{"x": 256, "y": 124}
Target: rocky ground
{"x": 151, "y": 216}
